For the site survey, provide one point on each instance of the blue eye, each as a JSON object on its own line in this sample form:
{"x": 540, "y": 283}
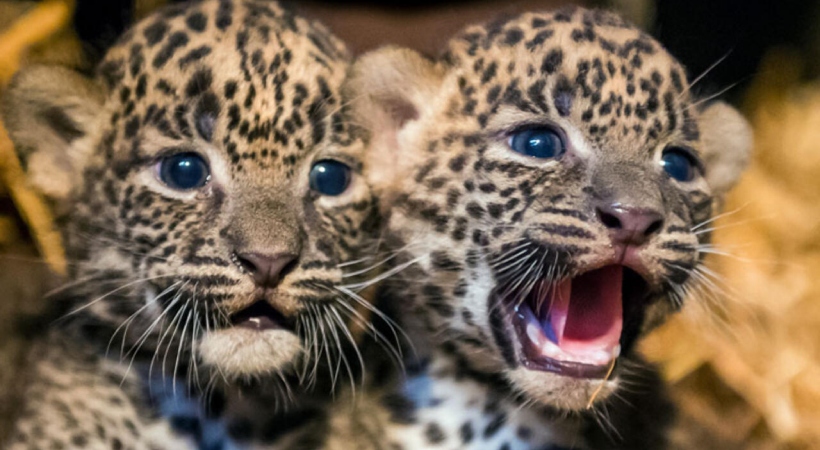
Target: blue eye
{"x": 184, "y": 171}
{"x": 329, "y": 177}
{"x": 538, "y": 142}
{"x": 679, "y": 164}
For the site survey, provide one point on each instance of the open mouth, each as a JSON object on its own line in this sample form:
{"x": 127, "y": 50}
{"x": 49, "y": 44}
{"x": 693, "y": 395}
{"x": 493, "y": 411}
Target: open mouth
{"x": 260, "y": 316}
{"x": 578, "y": 326}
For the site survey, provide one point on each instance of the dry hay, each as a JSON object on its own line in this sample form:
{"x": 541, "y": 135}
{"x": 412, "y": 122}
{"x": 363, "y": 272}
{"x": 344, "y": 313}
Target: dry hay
{"x": 745, "y": 357}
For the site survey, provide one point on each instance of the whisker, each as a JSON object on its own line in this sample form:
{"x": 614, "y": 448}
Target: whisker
{"x": 127, "y": 321}
{"x": 375, "y": 266}
{"x": 383, "y": 276}
{"x": 394, "y": 327}
{"x": 141, "y": 341}
{"x": 120, "y": 245}
{"x": 181, "y": 343}
{"x": 342, "y": 357}
{"x": 104, "y": 296}
{"x": 195, "y": 333}
{"x": 354, "y": 262}
{"x": 173, "y": 325}
{"x": 703, "y": 74}
{"x": 395, "y": 352}
{"x": 731, "y": 225}
{"x": 715, "y": 95}
{"x": 719, "y": 216}
{"x": 78, "y": 282}
{"x": 352, "y": 341}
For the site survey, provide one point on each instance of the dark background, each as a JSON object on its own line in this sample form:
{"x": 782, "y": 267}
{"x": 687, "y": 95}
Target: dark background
{"x": 698, "y": 32}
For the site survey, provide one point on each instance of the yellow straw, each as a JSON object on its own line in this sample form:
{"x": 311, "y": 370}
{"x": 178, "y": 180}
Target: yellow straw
{"x": 603, "y": 382}
{"x": 41, "y": 22}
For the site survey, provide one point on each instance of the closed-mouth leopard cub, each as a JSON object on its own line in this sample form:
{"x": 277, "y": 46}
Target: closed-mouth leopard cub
{"x": 551, "y": 175}
{"x": 210, "y": 196}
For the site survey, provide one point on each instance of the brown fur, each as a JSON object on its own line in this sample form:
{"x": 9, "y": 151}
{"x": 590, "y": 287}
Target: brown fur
{"x": 464, "y": 200}
{"x": 154, "y": 278}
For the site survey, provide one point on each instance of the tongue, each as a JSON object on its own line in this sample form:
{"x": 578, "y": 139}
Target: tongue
{"x": 586, "y": 312}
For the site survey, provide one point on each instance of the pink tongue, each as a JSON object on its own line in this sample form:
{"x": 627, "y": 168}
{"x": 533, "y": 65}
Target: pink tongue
{"x": 586, "y": 312}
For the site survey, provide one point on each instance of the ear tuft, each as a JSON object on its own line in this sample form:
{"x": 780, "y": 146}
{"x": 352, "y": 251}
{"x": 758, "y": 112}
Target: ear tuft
{"x": 727, "y": 145}
{"x": 49, "y": 112}
{"x": 397, "y": 81}
{"x": 390, "y": 89}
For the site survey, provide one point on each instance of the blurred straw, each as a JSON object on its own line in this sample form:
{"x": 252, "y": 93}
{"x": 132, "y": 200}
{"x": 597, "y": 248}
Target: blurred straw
{"x": 40, "y": 23}
{"x": 758, "y": 339}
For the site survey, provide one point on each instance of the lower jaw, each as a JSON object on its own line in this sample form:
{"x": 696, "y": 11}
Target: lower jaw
{"x": 564, "y": 365}
{"x": 566, "y": 368}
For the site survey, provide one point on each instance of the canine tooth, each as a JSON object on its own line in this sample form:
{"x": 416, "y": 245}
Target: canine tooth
{"x": 535, "y": 335}
{"x": 616, "y": 351}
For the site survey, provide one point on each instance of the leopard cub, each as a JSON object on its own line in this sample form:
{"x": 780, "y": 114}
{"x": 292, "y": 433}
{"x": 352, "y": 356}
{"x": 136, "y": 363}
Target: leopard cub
{"x": 549, "y": 180}
{"x": 210, "y": 196}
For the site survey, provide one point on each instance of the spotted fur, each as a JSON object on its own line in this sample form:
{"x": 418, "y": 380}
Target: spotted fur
{"x": 145, "y": 322}
{"x": 479, "y": 220}
{"x": 459, "y": 200}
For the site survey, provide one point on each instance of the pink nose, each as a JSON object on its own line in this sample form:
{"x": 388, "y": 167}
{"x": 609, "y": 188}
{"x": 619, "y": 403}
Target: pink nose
{"x": 266, "y": 270}
{"x": 630, "y": 225}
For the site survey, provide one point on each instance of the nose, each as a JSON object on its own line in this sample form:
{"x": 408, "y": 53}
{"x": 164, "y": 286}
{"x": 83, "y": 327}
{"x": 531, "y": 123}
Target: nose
{"x": 630, "y": 225}
{"x": 266, "y": 269}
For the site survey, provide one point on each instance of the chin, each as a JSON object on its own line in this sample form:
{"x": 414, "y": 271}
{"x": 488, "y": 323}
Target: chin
{"x": 559, "y": 391}
{"x": 245, "y": 352}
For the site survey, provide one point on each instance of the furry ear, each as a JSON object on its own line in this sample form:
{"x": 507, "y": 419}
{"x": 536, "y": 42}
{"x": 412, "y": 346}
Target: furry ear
{"x": 727, "y": 144}
{"x": 50, "y": 114}
{"x": 390, "y": 90}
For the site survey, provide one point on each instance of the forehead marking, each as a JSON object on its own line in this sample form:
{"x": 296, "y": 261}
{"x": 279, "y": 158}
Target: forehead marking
{"x": 176, "y": 41}
{"x": 194, "y": 55}
{"x": 155, "y": 32}
{"x": 196, "y": 21}
{"x": 223, "y": 14}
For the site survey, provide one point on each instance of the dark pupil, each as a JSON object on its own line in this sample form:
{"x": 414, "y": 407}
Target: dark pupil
{"x": 538, "y": 143}
{"x": 678, "y": 165}
{"x": 329, "y": 177}
{"x": 184, "y": 171}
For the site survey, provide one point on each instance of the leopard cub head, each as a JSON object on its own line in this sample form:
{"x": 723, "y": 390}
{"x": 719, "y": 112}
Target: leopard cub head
{"x": 208, "y": 187}
{"x": 551, "y": 177}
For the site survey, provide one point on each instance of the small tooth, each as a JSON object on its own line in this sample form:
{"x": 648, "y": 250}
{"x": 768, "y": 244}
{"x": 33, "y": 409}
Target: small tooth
{"x": 551, "y": 350}
{"x": 616, "y": 351}
{"x": 600, "y": 357}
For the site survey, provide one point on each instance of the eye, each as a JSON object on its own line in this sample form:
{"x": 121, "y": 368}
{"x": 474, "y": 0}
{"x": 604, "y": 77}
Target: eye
{"x": 680, "y": 164}
{"x": 538, "y": 142}
{"x": 329, "y": 177}
{"x": 184, "y": 171}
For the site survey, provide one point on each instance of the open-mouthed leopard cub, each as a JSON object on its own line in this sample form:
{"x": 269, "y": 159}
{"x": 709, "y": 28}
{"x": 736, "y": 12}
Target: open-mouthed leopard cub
{"x": 209, "y": 192}
{"x": 551, "y": 175}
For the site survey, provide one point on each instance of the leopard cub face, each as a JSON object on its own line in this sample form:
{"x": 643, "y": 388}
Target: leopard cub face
{"x": 551, "y": 177}
{"x": 209, "y": 188}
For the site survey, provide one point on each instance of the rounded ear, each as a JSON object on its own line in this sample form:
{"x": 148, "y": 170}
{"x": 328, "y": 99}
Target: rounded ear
{"x": 389, "y": 90}
{"x": 727, "y": 145}
{"x": 50, "y": 114}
